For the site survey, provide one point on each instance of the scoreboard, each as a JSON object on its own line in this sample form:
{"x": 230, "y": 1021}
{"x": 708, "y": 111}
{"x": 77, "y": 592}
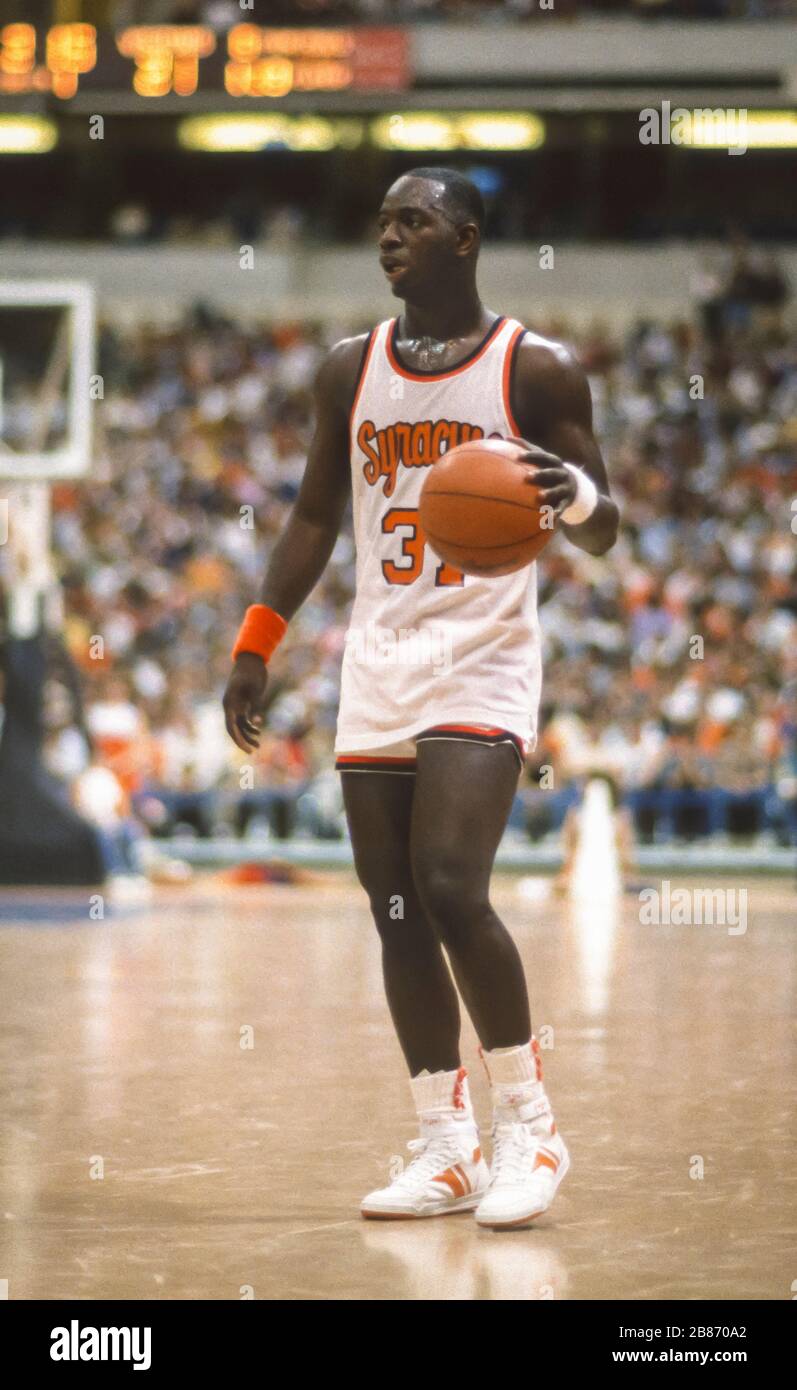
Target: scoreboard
{"x": 181, "y": 60}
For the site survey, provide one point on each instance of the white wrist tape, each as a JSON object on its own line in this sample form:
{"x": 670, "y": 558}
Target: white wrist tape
{"x": 585, "y": 500}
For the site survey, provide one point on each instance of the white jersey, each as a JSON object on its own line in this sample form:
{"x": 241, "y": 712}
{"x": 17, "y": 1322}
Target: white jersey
{"x": 426, "y": 644}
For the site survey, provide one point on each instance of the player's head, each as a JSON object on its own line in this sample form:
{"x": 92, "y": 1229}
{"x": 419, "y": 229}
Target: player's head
{"x": 430, "y": 226}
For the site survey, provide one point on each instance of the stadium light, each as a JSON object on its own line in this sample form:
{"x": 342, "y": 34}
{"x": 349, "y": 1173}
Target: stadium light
{"x": 242, "y": 133}
{"x": 463, "y": 130}
{"x": 754, "y": 130}
{"x": 27, "y": 134}
{"x": 502, "y": 131}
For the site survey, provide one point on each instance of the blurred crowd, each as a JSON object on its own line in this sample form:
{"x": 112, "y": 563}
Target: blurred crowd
{"x": 222, "y": 13}
{"x": 670, "y": 665}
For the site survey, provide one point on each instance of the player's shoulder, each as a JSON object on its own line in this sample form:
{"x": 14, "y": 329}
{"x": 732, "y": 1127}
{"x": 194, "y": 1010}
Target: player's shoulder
{"x": 549, "y": 369}
{"x": 340, "y": 369}
{"x": 545, "y": 355}
{"x": 347, "y": 354}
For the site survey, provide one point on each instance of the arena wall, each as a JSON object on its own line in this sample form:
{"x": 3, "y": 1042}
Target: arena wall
{"x": 615, "y": 282}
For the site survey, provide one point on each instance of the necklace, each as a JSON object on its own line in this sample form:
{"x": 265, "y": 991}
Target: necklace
{"x": 428, "y": 350}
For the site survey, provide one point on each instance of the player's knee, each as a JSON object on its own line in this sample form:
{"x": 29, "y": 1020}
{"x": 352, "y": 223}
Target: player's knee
{"x": 390, "y": 891}
{"x": 449, "y": 894}
{"x": 376, "y": 870}
{"x": 392, "y": 914}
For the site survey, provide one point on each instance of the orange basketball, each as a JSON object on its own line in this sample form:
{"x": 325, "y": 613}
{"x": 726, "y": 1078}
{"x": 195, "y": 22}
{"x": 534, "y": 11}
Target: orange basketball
{"x": 479, "y": 512}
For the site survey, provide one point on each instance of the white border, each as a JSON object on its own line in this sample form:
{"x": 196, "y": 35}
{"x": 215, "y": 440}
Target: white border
{"x": 74, "y": 460}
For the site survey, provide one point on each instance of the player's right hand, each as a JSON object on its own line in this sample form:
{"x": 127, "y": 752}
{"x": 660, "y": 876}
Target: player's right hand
{"x": 244, "y": 700}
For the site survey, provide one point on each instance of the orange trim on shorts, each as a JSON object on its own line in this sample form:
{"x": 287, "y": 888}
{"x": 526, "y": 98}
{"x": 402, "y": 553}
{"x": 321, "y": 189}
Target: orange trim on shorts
{"x": 369, "y": 758}
{"x": 385, "y": 762}
{"x": 489, "y": 737}
{"x": 466, "y": 729}
{"x": 507, "y": 381}
{"x": 453, "y": 371}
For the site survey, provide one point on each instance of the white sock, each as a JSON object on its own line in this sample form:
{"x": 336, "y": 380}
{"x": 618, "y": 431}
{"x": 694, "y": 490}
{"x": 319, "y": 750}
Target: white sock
{"x": 442, "y": 1100}
{"x": 516, "y": 1084}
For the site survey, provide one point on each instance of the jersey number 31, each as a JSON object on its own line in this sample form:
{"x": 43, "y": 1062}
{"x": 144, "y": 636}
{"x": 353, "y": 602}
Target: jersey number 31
{"x": 412, "y": 548}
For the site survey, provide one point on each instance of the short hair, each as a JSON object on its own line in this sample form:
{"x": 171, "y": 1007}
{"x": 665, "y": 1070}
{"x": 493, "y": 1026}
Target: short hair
{"x": 462, "y": 198}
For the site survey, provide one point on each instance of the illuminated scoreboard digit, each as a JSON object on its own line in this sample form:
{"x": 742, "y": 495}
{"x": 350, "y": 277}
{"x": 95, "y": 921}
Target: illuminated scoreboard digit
{"x": 273, "y": 62}
{"x": 69, "y": 50}
{"x": 166, "y": 57}
{"x": 155, "y": 61}
{"x": 17, "y": 56}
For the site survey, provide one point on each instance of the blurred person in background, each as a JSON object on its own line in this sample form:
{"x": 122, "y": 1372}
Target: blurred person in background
{"x": 194, "y": 427}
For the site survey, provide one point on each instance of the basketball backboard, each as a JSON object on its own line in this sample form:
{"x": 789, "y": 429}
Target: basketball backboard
{"x": 46, "y": 365}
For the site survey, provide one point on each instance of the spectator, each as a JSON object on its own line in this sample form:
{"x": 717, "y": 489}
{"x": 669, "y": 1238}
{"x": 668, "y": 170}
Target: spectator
{"x": 664, "y": 662}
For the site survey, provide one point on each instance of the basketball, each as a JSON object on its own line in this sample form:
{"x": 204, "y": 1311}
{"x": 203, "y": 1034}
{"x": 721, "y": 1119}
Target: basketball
{"x": 480, "y": 513}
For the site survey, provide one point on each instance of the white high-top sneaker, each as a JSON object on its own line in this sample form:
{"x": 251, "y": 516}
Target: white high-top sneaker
{"x": 447, "y": 1172}
{"x": 529, "y": 1157}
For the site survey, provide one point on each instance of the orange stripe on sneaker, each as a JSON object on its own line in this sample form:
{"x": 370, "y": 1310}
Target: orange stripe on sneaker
{"x": 544, "y": 1160}
{"x": 465, "y": 1179}
{"x": 452, "y": 1179}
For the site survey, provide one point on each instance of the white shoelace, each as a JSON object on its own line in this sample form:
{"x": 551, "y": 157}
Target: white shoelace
{"x": 431, "y": 1156}
{"x": 514, "y": 1148}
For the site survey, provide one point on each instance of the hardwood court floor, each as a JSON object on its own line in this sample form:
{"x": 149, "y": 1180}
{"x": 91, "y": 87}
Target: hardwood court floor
{"x": 229, "y": 1169}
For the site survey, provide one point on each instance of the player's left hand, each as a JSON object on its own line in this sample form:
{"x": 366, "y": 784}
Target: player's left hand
{"x": 555, "y": 482}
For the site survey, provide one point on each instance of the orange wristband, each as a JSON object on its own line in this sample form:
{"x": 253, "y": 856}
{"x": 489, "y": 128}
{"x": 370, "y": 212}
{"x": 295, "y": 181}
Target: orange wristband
{"x": 260, "y": 632}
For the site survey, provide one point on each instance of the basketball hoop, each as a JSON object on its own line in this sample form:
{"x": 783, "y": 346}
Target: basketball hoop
{"x": 46, "y": 357}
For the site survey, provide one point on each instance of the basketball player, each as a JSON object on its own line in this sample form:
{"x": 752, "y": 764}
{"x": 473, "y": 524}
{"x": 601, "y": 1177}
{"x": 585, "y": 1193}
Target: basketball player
{"x": 430, "y": 749}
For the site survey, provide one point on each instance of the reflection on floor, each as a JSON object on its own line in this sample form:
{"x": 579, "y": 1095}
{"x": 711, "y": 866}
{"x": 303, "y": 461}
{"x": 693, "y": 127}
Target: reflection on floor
{"x": 196, "y": 1095}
